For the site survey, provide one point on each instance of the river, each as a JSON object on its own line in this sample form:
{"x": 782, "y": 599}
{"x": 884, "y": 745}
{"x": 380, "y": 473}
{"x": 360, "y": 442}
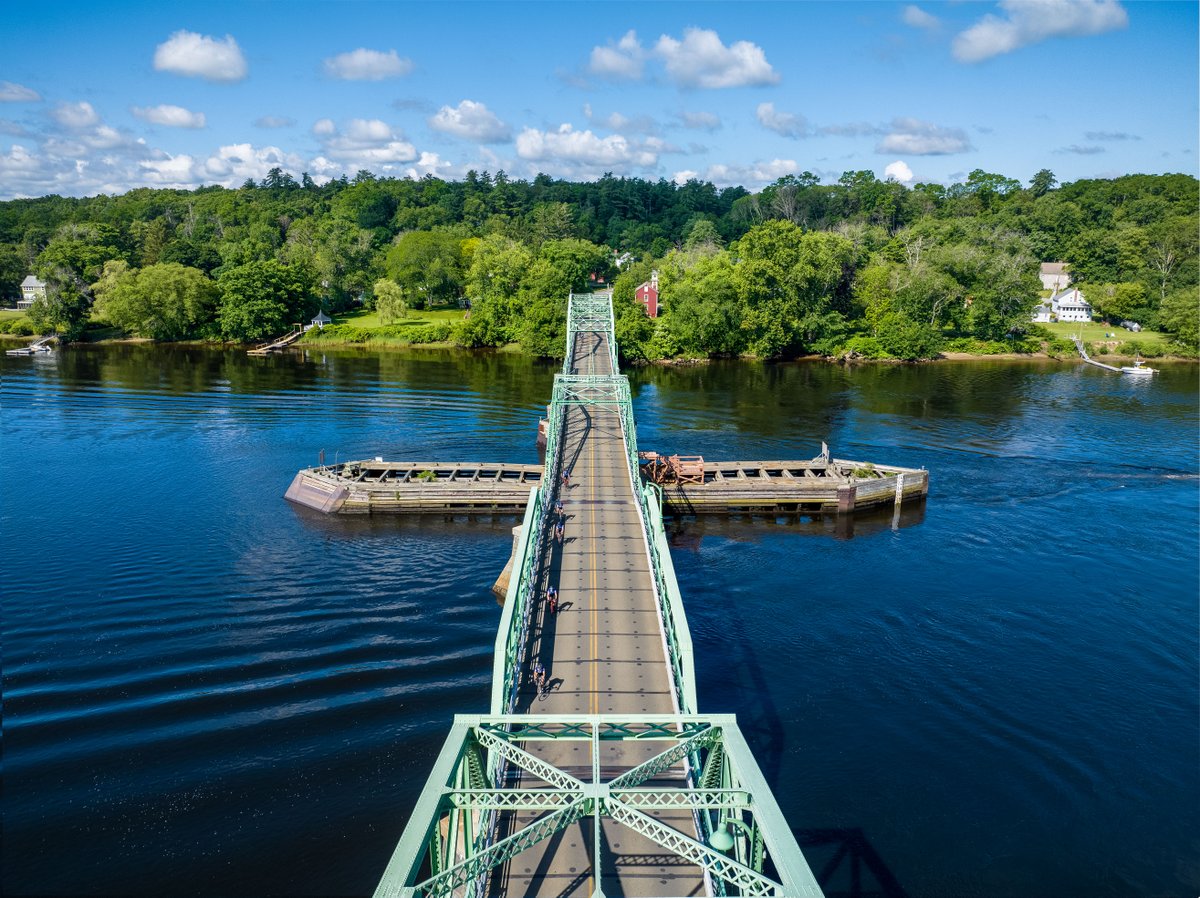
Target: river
{"x": 209, "y": 692}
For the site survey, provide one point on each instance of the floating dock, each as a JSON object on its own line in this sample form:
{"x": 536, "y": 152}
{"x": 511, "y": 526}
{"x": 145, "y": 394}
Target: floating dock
{"x": 689, "y": 485}
{"x": 825, "y": 485}
{"x": 380, "y": 487}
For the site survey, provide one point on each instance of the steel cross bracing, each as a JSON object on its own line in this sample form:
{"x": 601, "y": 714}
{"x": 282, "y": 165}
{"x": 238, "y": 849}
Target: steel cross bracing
{"x": 777, "y": 868}
{"x": 507, "y": 789}
{"x": 590, "y": 313}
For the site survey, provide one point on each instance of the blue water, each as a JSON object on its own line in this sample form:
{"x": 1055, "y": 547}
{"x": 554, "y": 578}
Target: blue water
{"x": 209, "y": 692}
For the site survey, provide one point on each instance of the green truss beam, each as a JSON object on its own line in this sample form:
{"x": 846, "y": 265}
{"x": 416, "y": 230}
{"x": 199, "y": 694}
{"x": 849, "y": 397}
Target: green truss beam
{"x": 462, "y": 874}
{"x": 530, "y": 763}
{"x": 748, "y": 881}
{"x": 447, "y": 836}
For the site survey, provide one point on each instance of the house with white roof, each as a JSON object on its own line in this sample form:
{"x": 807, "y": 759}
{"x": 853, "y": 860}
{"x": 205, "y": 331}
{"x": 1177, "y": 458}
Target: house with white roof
{"x": 1069, "y": 305}
{"x": 1043, "y": 313}
{"x": 31, "y": 289}
{"x": 1054, "y": 276}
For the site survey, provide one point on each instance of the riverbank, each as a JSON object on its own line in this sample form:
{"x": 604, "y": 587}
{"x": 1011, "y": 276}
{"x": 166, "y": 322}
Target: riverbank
{"x": 396, "y": 344}
{"x": 435, "y": 329}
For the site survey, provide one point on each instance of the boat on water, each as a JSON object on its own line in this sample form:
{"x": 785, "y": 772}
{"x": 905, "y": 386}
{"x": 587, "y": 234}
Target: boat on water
{"x": 1138, "y": 368}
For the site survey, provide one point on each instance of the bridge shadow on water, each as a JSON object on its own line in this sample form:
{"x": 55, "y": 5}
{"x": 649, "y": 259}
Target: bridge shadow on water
{"x": 846, "y": 865}
{"x": 843, "y": 860}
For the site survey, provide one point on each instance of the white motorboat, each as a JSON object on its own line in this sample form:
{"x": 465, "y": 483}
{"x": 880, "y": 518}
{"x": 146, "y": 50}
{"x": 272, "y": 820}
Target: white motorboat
{"x": 1138, "y": 368}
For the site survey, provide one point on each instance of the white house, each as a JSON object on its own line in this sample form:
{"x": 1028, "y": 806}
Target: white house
{"x": 1041, "y": 314}
{"x": 1069, "y": 305}
{"x": 31, "y": 289}
{"x": 1054, "y": 276}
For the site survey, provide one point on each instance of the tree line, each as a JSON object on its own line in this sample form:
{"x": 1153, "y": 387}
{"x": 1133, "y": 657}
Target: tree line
{"x": 862, "y": 266}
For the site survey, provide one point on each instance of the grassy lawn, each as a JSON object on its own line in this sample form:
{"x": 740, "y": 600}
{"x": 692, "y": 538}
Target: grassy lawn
{"x": 1095, "y": 332}
{"x": 368, "y": 318}
{"x": 6, "y": 314}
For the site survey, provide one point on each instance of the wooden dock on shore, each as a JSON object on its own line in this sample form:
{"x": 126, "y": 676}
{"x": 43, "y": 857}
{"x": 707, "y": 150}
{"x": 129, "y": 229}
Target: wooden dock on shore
{"x": 280, "y": 343}
{"x": 823, "y": 485}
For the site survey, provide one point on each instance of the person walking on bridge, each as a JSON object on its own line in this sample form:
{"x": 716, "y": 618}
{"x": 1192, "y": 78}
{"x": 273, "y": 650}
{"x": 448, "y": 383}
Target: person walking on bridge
{"x": 566, "y": 479}
{"x": 560, "y": 530}
{"x": 552, "y": 599}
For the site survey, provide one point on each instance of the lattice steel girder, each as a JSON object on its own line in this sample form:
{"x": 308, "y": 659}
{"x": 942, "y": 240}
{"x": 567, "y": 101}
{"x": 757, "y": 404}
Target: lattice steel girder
{"x": 591, "y": 389}
{"x": 748, "y": 881}
{"x": 589, "y": 311}
{"x": 523, "y": 759}
{"x": 664, "y": 761}
{"x": 693, "y": 799}
{"x": 516, "y": 799}
{"x": 462, "y": 873}
{"x": 571, "y": 799}
{"x": 532, "y": 728}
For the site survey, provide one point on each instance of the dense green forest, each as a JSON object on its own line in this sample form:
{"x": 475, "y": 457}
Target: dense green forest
{"x": 863, "y": 266}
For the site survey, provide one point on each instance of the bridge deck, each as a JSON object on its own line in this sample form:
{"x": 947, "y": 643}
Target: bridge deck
{"x": 604, "y": 653}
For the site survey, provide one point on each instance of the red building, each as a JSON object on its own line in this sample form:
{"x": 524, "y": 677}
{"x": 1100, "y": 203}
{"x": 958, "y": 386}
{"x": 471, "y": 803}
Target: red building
{"x": 647, "y": 295}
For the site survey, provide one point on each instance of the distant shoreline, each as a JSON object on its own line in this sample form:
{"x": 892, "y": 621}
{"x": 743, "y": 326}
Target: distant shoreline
{"x": 512, "y": 349}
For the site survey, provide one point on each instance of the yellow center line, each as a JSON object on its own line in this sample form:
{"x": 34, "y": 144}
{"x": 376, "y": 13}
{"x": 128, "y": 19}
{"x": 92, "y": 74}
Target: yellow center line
{"x": 593, "y": 701}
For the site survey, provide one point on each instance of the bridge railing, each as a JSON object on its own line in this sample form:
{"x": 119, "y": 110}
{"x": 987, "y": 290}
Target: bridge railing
{"x": 512, "y": 635}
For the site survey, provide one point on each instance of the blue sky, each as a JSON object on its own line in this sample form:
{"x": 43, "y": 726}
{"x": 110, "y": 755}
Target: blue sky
{"x": 99, "y": 98}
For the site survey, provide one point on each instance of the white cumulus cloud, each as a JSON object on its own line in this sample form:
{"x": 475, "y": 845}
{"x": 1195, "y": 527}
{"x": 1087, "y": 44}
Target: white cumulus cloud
{"x": 370, "y": 144}
{"x": 200, "y": 56}
{"x": 1028, "y": 22}
{"x": 169, "y": 171}
{"x": 756, "y": 174}
{"x": 170, "y": 116}
{"x": 570, "y": 150}
{"x": 367, "y": 65}
{"x": 898, "y": 171}
{"x": 699, "y": 59}
{"x": 918, "y": 18}
{"x": 913, "y": 137}
{"x": 786, "y": 123}
{"x": 75, "y": 115}
{"x": 231, "y": 165}
{"x": 702, "y": 60}
{"x": 622, "y": 61}
{"x": 432, "y": 164}
{"x": 11, "y": 92}
{"x": 471, "y": 121}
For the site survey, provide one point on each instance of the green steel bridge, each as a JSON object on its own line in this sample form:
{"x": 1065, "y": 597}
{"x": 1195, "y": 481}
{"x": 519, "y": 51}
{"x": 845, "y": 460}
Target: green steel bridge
{"x": 609, "y": 782}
